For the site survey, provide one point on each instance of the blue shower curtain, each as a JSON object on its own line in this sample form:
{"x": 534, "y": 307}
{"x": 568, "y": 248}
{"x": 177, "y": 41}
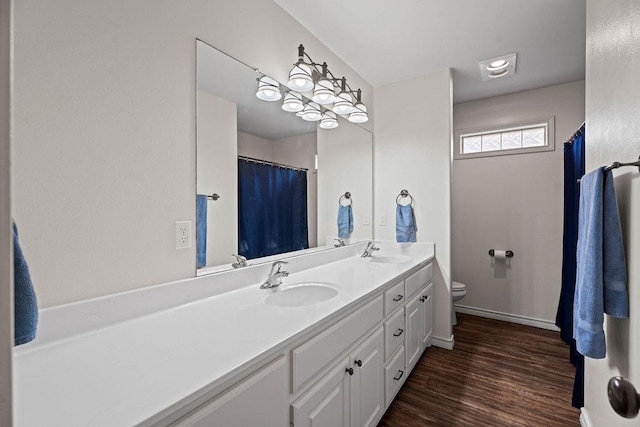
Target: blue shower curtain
{"x": 573, "y": 170}
{"x": 272, "y": 209}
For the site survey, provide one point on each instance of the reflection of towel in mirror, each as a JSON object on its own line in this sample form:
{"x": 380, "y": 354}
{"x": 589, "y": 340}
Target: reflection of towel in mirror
{"x": 345, "y": 221}
{"x": 201, "y": 230}
{"x": 405, "y": 224}
{"x": 25, "y": 303}
{"x": 601, "y": 273}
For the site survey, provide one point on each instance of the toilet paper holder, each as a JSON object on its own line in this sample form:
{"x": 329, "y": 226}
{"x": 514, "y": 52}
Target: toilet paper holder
{"x": 509, "y": 254}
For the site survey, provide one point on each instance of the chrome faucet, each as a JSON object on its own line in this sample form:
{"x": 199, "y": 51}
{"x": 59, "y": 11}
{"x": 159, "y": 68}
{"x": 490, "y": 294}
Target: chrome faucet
{"x": 240, "y": 261}
{"x": 371, "y": 247}
{"x": 275, "y": 275}
{"x": 339, "y": 244}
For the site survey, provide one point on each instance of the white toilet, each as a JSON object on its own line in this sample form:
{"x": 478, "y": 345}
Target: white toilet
{"x": 458, "y": 291}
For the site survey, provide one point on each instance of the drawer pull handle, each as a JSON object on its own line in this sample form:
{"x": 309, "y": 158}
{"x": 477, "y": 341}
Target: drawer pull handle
{"x": 401, "y": 373}
{"x": 398, "y": 298}
{"x": 397, "y": 334}
{"x": 350, "y": 371}
{"x": 422, "y": 299}
{"x": 425, "y": 298}
{"x": 358, "y": 362}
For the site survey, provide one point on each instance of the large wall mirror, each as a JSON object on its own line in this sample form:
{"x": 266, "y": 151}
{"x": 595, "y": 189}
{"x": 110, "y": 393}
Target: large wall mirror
{"x": 269, "y": 182}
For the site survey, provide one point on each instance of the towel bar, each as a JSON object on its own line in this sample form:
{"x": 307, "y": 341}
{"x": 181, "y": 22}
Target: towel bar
{"x": 403, "y": 194}
{"x": 347, "y": 196}
{"x": 616, "y": 165}
{"x": 214, "y": 197}
{"x": 509, "y": 254}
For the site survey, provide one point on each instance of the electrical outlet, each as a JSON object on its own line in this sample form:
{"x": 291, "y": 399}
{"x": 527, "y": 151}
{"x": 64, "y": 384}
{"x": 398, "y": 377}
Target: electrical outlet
{"x": 183, "y": 234}
{"x": 383, "y": 220}
{"x": 365, "y": 219}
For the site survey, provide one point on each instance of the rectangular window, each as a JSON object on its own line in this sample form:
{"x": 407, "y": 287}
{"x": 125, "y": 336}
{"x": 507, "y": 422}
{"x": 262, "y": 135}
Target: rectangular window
{"x": 516, "y": 139}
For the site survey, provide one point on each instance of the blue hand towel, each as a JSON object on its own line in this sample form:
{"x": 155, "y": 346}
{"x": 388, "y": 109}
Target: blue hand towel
{"x": 598, "y": 228}
{"x": 405, "y": 224}
{"x": 345, "y": 221}
{"x": 201, "y": 230}
{"x": 25, "y": 303}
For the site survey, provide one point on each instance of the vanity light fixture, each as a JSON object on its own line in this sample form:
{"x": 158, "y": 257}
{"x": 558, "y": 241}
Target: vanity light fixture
{"x": 311, "y": 112}
{"x": 323, "y": 92}
{"x": 329, "y": 120}
{"x": 344, "y": 100}
{"x": 359, "y": 114}
{"x": 499, "y": 66}
{"x": 268, "y": 89}
{"x": 292, "y": 102}
{"x": 300, "y": 77}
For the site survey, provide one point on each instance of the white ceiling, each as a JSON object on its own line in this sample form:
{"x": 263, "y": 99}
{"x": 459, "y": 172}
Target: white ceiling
{"x": 387, "y": 41}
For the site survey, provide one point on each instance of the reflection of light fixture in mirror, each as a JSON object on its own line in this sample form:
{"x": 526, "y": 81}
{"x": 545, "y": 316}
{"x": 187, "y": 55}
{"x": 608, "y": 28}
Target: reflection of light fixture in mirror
{"x": 268, "y": 89}
{"x": 292, "y": 102}
{"x": 323, "y": 92}
{"x": 359, "y": 114}
{"x": 498, "y": 66}
{"x": 494, "y": 74}
{"x": 311, "y": 112}
{"x": 344, "y": 101}
{"x": 300, "y": 75}
{"x": 329, "y": 120}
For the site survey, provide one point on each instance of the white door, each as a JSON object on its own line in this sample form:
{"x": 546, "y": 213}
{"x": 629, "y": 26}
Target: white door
{"x": 326, "y": 404}
{"x": 414, "y": 319}
{"x": 366, "y": 388}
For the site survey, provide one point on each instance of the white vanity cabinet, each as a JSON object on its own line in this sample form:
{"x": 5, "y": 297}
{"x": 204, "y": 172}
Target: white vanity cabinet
{"x": 258, "y": 400}
{"x": 419, "y": 320}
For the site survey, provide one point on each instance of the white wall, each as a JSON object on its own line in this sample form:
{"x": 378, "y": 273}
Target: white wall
{"x": 105, "y": 133}
{"x": 255, "y": 146}
{"x": 413, "y": 152}
{"x": 217, "y": 172}
{"x": 613, "y": 134}
{"x": 513, "y": 202}
{"x": 6, "y": 246}
{"x": 345, "y": 163}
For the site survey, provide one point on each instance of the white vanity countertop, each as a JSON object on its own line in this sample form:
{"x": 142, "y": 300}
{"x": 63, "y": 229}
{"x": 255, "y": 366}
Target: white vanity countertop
{"x": 112, "y": 361}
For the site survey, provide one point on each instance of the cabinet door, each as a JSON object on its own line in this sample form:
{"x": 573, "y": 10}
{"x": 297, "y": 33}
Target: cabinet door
{"x": 427, "y": 329}
{"x": 415, "y": 322}
{"x": 367, "y": 381}
{"x": 265, "y": 392}
{"x": 326, "y": 404}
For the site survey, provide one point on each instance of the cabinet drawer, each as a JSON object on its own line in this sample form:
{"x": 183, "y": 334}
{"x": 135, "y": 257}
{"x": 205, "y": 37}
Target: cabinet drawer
{"x": 393, "y": 333}
{"x": 394, "y": 376}
{"x": 316, "y": 353}
{"x": 418, "y": 279}
{"x": 393, "y": 298}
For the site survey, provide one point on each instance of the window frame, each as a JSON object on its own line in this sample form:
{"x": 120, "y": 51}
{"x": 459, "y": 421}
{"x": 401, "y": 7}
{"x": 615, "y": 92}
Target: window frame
{"x": 548, "y": 122}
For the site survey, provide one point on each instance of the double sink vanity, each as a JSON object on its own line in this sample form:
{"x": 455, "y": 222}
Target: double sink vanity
{"x": 325, "y": 339}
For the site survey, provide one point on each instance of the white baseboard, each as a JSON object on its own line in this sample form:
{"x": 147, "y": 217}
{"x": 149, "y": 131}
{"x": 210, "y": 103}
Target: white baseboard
{"x": 446, "y": 343}
{"x": 584, "y": 418}
{"x": 513, "y": 318}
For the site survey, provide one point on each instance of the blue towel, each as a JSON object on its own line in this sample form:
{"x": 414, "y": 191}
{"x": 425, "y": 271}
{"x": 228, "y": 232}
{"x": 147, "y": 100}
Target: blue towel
{"x": 405, "y": 224}
{"x": 345, "y": 221}
{"x": 25, "y": 303}
{"x": 201, "y": 230}
{"x": 601, "y": 274}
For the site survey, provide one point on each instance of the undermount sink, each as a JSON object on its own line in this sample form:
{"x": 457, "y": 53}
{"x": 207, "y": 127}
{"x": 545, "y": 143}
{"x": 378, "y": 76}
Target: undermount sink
{"x": 390, "y": 259}
{"x": 301, "y": 294}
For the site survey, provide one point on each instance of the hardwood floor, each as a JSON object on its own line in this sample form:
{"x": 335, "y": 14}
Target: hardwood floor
{"x": 499, "y": 374}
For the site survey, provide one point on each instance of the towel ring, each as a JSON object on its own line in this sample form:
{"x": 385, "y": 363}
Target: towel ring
{"x": 346, "y": 196}
{"x": 403, "y": 194}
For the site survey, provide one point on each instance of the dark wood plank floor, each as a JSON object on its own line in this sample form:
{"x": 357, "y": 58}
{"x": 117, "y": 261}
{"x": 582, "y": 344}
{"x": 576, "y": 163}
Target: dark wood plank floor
{"x": 499, "y": 374}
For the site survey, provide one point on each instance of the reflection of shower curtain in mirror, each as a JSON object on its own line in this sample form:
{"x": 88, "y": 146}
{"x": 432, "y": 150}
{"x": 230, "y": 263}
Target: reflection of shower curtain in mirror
{"x": 272, "y": 209}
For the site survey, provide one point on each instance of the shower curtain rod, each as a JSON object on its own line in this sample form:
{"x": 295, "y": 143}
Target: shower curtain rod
{"x": 266, "y": 162}
{"x": 576, "y": 134}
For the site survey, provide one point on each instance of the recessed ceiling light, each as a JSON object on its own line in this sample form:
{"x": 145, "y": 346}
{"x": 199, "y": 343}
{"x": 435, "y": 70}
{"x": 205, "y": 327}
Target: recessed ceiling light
{"x": 499, "y": 66}
{"x": 499, "y": 73}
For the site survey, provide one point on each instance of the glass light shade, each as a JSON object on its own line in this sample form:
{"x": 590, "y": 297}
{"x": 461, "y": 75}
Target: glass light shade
{"x": 329, "y": 120}
{"x": 323, "y": 92}
{"x": 498, "y": 65}
{"x": 300, "y": 113}
{"x": 311, "y": 112}
{"x": 268, "y": 89}
{"x": 343, "y": 104}
{"x": 359, "y": 114}
{"x": 494, "y": 74}
{"x": 300, "y": 78}
{"x": 292, "y": 102}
